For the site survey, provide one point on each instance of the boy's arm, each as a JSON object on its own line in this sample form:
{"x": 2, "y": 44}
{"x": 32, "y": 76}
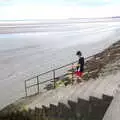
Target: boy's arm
{"x": 74, "y": 66}
{"x": 77, "y": 66}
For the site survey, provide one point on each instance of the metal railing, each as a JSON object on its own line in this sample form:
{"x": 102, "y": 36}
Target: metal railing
{"x": 53, "y": 79}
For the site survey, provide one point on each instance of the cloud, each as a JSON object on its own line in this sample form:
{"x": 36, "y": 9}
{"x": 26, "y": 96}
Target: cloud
{"x": 48, "y": 11}
{"x": 56, "y": 12}
{"x": 5, "y": 0}
{"x": 107, "y": 0}
{"x": 90, "y": 3}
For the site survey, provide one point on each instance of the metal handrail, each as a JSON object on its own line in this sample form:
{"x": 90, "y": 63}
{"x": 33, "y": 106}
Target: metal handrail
{"x": 51, "y": 71}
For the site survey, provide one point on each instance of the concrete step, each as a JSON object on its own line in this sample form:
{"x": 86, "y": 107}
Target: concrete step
{"x": 113, "y": 112}
{"x": 51, "y": 97}
{"x": 80, "y": 91}
{"x": 113, "y": 85}
{"x": 90, "y": 89}
{"x": 108, "y": 85}
{"x": 72, "y": 93}
{"x": 62, "y": 94}
{"x": 39, "y": 99}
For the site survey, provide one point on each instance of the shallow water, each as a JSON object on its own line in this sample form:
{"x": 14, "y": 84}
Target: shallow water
{"x": 23, "y": 55}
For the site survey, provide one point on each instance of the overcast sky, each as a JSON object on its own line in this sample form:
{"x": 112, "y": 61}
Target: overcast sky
{"x": 57, "y": 9}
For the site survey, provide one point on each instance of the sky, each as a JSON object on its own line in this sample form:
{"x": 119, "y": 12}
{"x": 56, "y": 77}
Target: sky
{"x": 57, "y": 9}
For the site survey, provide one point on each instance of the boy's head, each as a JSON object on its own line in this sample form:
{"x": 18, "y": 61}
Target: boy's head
{"x": 79, "y": 54}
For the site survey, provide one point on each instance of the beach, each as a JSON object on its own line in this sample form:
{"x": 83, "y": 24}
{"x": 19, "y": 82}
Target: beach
{"x": 34, "y": 50}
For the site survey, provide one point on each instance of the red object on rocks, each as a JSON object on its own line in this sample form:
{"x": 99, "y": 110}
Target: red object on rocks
{"x": 78, "y": 74}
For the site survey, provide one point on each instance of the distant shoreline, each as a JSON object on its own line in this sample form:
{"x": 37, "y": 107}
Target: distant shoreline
{"x": 11, "y": 27}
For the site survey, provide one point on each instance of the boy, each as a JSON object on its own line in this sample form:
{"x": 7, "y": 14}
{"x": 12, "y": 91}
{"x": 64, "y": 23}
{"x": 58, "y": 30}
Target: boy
{"x": 80, "y": 66}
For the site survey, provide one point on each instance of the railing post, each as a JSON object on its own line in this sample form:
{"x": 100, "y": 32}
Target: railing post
{"x": 25, "y": 89}
{"x": 38, "y": 85}
{"x": 72, "y": 72}
{"x": 54, "y": 78}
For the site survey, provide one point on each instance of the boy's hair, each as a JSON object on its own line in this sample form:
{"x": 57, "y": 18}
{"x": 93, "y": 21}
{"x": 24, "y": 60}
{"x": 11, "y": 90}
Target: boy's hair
{"x": 79, "y": 53}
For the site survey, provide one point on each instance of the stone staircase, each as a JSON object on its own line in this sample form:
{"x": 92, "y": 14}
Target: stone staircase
{"x": 95, "y": 88}
{"x": 92, "y": 109}
{"x": 73, "y": 102}
{"x": 88, "y": 100}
